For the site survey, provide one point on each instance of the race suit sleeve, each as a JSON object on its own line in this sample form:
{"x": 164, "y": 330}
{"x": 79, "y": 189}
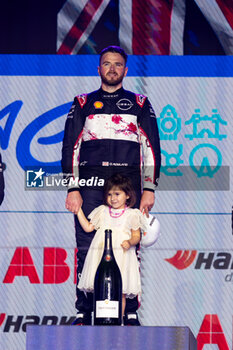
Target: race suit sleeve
{"x": 150, "y": 147}
{"x": 71, "y": 145}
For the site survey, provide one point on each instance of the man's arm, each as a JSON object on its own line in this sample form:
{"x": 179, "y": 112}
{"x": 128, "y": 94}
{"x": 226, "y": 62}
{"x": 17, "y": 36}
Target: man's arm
{"x": 71, "y": 142}
{"x": 150, "y": 143}
{"x": 70, "y": 150}
{"x": 147, "y": 201}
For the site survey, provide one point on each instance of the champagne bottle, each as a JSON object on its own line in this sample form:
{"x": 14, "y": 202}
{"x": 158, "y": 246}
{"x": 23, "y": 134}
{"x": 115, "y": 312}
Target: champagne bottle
{"x": 108, "y": 288}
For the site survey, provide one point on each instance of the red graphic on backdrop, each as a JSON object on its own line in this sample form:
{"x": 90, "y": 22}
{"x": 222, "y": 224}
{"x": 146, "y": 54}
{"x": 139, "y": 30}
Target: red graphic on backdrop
{"x": 2, "y": 318}
{"x": 55, "y": 268}
{"x": 211, "y": 333}
{"x": 182, "y": 259}
{"x": 22, "y": 265}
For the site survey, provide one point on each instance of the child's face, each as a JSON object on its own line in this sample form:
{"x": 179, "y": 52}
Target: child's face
{"x": 116, "y": 198}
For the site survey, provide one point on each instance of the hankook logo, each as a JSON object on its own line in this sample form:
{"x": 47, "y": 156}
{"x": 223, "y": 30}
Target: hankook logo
{"x": 124, "y": 104}
{"x": 182, "y": 259}
{"x": 204, "y": 260}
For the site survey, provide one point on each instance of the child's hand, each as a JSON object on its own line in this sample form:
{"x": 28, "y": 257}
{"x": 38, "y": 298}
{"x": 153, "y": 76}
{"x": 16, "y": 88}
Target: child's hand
{"x": 125, "y": 245}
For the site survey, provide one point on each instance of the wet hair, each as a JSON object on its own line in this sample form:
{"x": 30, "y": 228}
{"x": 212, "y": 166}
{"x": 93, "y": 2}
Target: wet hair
{"x": 114, "y": 49}
{"x": 122, "y": 183}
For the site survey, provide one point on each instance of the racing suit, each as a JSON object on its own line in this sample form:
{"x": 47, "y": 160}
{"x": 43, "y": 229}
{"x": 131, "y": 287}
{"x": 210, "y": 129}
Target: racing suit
{"x": 107, "y": 133}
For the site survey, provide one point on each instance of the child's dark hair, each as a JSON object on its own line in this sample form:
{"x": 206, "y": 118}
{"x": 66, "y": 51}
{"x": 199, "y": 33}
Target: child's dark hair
{"x": 114, "y": 49}
{"x": 124, "y": 184}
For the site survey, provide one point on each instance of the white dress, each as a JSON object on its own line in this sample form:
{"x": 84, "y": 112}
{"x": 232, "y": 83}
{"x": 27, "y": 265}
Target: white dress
{"x": 126, "y": 259}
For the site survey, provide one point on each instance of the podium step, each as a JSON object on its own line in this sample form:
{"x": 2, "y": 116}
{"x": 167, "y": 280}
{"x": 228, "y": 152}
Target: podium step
{"x": 109, "y": 338}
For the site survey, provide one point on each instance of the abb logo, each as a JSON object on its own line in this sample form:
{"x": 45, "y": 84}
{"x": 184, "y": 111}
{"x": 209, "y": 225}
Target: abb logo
{"x": 211, "y": 333}
{"x": 206, "y": 260}
{"x": 55, "y": 268}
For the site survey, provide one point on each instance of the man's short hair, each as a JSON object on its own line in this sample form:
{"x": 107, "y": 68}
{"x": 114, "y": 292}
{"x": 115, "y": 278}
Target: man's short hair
{"x": 114, "y": 49}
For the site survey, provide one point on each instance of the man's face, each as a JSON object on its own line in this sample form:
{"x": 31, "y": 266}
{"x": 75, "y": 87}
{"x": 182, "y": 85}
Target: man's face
{"x": 112, "y": 69}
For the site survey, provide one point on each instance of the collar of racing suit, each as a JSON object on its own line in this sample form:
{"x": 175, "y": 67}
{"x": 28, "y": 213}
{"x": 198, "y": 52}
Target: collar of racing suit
{"x": 115, "y": 94}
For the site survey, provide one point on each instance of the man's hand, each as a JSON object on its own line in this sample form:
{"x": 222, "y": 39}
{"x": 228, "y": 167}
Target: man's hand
{"x": 74, "y": 201}
{"x": 147, "y": 201}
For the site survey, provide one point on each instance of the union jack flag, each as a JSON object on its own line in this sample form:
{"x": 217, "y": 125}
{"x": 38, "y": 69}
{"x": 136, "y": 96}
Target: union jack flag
{"x": 158, "y": 27}
{"x": 141, "y": 27}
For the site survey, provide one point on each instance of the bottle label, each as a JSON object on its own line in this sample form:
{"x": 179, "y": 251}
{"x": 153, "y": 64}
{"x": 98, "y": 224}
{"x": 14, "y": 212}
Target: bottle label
{"x": 107, "y": 308}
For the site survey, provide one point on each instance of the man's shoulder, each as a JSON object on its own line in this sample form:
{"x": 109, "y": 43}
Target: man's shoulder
{"x": 82, "y": 99}
{"x": 139, "y": 98}
{"x": 89, "y": 94}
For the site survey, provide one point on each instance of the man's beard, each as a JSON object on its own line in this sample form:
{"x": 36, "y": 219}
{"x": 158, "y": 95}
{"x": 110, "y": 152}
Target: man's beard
{"x": 111, "y": 81}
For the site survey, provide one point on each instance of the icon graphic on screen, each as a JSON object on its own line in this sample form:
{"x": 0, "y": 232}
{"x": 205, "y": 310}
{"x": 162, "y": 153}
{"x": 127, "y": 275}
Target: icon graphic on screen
{"x": 206, "y": 126}
{"x": 172, "y": 161}
{"x": 205, "y": 154}
{"x": 169, "y": 123}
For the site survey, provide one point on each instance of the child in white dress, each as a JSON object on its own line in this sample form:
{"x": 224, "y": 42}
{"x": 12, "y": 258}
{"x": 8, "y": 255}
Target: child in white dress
{"x": 116, "y": 214}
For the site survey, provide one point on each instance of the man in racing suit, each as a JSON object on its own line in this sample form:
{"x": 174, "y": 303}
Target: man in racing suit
{"x": 108, "y": 131}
